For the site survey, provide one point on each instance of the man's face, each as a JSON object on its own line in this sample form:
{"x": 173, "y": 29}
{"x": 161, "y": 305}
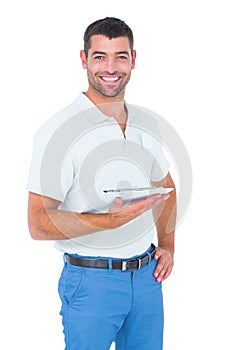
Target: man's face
{"x": 109, "y": 64}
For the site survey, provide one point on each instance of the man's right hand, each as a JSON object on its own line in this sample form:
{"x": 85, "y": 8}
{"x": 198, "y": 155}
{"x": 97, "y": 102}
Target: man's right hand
{"x": 121, "y": 213}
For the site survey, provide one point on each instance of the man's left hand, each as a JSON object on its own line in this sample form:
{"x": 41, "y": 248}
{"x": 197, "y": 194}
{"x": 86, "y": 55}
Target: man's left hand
{"x": 164, "y": 265}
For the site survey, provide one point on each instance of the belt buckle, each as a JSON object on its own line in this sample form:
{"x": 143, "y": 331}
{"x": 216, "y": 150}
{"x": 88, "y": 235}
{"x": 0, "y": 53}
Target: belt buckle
{"x": 124, "y": 265}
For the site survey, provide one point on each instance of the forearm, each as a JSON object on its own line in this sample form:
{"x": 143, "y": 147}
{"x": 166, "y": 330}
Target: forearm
{"x": 165, "y": 221}
{"x": 54, "y": 224}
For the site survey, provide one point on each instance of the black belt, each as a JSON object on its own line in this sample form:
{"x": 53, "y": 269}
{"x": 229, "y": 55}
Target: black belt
{"x": 123, "y": 265}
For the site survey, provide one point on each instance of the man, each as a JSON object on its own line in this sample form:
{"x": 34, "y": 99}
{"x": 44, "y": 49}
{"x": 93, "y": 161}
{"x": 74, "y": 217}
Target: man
{"x": 110, "y": 286}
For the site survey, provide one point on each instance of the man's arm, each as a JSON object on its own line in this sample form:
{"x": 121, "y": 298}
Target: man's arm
{"x": 47, "y": 222}
{"x": 165, "y": 221}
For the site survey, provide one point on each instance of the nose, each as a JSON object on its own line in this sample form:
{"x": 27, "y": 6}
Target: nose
{"x": 110, "y": 65}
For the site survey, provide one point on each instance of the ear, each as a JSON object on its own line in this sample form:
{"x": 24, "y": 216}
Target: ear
{"x": 133, "y": 59}
{"x": 83, "y": 59}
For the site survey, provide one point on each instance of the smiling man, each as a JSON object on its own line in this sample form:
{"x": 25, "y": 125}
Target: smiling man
{"x": 111, "y": 283}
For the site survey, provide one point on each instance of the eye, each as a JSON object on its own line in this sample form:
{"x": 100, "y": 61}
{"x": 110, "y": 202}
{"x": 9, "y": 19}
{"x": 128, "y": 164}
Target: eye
{"x": 98, "y": 57}
{"x": 123, "y": 57}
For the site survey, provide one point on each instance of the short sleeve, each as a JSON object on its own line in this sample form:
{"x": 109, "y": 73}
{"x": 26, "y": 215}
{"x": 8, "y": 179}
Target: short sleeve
{"x": 51, "y": 169}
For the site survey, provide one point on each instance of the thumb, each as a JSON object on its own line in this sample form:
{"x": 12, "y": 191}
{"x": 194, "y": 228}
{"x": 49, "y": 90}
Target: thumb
{"x": 116, "y": 205}
{"x": 158, "y": 253}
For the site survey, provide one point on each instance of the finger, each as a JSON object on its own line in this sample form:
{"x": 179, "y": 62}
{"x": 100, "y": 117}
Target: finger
{"x": 164, "y": 273}
{"x": 154, "y": 201}
{"x": 118, "y": 201}
{"x": 168, "y": 272}
{"x": 158, "y": 270}
{"x": 161, "y": 199}
{"x": 149, "y": 202}
{"x": 161, "y": 274}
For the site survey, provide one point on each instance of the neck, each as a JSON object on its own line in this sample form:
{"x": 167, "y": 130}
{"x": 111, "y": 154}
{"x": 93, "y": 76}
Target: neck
{"x": 113, "y": 107}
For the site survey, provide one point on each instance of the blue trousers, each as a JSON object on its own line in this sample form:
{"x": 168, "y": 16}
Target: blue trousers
{"x": 101, "y": 306}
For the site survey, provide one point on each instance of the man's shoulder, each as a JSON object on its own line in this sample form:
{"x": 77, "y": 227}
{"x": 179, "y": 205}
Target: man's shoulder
{"x": 62, "y": 118}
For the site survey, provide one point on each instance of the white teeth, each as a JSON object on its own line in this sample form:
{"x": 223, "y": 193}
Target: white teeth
{"x": 110, "y": 79}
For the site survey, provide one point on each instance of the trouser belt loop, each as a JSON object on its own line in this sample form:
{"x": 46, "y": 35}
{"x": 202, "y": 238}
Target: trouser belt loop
{"x": 149, "y": 257}
{"x": 110, "y": 265}
{"x": 139, "y": 263}
{"x": 64, "y": 258}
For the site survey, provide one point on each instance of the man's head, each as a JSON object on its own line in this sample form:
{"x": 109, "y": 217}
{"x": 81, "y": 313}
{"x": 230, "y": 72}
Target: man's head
{"x": 108, "y": 57}
{"x": 111, "y": 28}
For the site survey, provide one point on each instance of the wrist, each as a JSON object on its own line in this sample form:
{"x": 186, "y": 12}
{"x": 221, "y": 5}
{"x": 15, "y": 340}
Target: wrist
{"x": 169, "y": 249}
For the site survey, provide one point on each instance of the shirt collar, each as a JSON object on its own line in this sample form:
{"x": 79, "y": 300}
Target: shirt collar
{"x": 93, "y": 113}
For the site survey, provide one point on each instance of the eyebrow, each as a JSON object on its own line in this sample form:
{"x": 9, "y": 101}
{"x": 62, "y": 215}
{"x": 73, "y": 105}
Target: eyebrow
{"x": 104, "y": 53}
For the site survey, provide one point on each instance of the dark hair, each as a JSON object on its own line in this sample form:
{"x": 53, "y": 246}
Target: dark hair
{"x": 111, "y": 27}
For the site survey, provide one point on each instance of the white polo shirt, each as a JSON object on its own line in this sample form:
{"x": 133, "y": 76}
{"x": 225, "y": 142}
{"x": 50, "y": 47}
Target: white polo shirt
{"x": 79, "y": 153}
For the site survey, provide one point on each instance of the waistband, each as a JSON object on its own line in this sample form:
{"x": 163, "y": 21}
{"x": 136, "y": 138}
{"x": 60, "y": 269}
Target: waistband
{"x": 123, "y": 265}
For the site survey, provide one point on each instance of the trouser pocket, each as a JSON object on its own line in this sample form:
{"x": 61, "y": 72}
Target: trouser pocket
{"x": 70, "y": 283}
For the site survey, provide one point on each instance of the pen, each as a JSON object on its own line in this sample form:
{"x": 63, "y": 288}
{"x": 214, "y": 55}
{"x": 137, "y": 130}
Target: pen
{"x": 114, "y": 191}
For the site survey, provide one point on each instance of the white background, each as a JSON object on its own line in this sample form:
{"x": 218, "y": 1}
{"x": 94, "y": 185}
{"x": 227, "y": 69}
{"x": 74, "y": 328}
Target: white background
{"x": 184, "y": 72}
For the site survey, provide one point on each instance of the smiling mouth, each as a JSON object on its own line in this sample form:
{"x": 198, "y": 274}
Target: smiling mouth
{"x": 110, "y": 79}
